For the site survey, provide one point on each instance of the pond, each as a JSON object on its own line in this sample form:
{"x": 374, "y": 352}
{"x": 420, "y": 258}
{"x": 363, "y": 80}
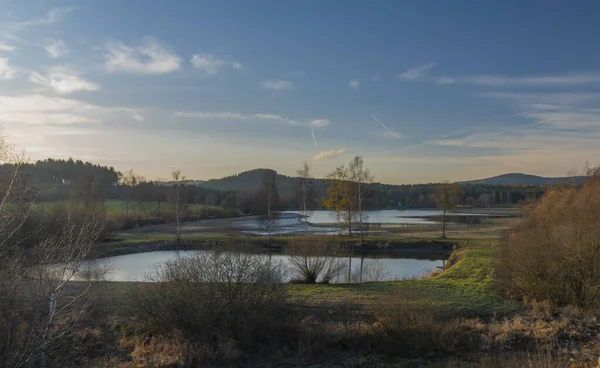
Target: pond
{"x": 135, "y": 267}
{"x": 323, "y": 222}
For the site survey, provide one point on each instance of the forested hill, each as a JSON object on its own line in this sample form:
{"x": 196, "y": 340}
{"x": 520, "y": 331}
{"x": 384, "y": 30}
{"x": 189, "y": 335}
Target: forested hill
{"x": 526, "y": 179}
{"x": 250, "y": 181}
{"x": 52, "y": 171}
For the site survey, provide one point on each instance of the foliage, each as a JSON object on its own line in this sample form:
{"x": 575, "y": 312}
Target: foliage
{"x": 555, "y": 252}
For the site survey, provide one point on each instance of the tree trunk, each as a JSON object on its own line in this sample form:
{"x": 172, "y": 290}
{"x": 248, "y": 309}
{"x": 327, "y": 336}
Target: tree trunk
{"x": 444, "y": 224}
{"x": 350, "y": 268}
{"x": 362, "y": 259}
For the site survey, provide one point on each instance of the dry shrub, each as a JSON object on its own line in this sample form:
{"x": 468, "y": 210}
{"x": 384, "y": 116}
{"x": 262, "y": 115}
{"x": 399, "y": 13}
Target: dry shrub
{"x": 414, "y": 331}
{"x": 313, "y": 259}
{"x": 224, "y": 304}
{"x": 554, "y": 254}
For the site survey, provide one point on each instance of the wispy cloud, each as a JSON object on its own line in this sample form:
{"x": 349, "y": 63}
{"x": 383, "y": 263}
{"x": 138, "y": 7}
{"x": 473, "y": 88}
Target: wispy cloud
{"x": 148, "y": 58}
{"x": 6, "y": 47}
{"x": 394, "y": 134}
{"x": 317, "y": 123}
{"x": 416, "y": 72}
{"x": 56, "y": 48}
{"x": 554, "y": 80}
{"x": 6, "y": 71}
{"x": 328, "y": 155}
{"x": 211, "y": 65}
{"x": 277, "y": 85}
{"x": 37, "y": 109}
{"x": 354, "y": 83}
{"x": 53, "y": 16}
{"x": 445, "y": 80}
{"x": 233, "y": 116}
{"x": 63, "y": 80}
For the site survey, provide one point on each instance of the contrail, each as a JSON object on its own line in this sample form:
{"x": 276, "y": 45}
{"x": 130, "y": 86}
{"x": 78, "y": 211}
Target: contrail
{"x": 386, "y": 128}
{"x": 312, "y": 130}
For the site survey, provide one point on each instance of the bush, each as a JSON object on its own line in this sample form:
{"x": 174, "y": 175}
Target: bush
{"x": 313, "y": 259}
{"x": 222, "y": 304}
{"x": 554, "y": 254}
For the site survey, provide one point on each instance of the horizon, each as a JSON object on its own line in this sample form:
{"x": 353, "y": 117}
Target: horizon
{"x": 423, "y": 92}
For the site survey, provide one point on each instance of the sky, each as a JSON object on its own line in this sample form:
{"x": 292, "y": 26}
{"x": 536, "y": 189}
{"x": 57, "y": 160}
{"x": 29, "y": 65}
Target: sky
{"x": 424, "y": 91}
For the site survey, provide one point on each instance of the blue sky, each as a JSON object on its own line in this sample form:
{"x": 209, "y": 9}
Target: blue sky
{"x": 424, "y": 91}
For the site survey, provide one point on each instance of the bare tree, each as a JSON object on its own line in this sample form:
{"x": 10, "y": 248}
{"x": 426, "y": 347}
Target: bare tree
{"x": 446, "y": 197}
{"x": 178, "y": 199}
{"x": 268, "y": 202}
{"x": 361, "y": 178}
{"x": 305, "y": 192}
{"x": 35, "y": 267}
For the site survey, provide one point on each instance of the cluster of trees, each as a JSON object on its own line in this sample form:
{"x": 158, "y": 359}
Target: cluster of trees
{"x": 39, "y": 256}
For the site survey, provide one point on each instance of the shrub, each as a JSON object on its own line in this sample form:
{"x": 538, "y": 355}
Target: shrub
{"x": 313, "y": 259}
{"x": 222, "y": 303}
{"x": 554, "y": 254}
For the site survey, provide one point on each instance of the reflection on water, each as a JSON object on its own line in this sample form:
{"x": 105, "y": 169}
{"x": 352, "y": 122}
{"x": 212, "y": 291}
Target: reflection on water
{"x": 135, "y": 267}
{"x": 323, "y": 222}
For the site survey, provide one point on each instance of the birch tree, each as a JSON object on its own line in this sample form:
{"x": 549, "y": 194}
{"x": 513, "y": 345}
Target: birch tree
{"x": 268, "y": 202}
{"x": 445, "y": 198}
{"x": 178, "y": 199}
{"x": 35, "y": 268}
{"x": 340, "y": 197}
{"x": 361, "y": 178}
{"x": 305, "y": 192}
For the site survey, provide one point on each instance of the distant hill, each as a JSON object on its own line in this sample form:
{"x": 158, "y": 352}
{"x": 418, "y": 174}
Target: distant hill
{"x": 526, "y": 179}
{"x": 250, "y": 181}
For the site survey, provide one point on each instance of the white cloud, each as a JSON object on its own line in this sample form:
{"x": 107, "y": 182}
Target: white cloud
{"x": 277, "y": 85}
{"x": 211, "y": 65}
{"x": 354, "y": 83}
{"x": 6, "y": 71}
{"x": 148, "y": 58}
{"x": 327, "y": 155}
{"x": 6, "y": 48}
{"x": 317, "y": 123}
{"x": 416, "y": 72}
{"x": 53, "y": 16}
{"x": 39, "y": 109}
{"x": 544, "y": 98}
{"x": 233, "y": 116}
{"x": 445, "y": 80}
{"x": 63, "y": 80}
{"x": 56, "y": 48}
{"x": 558, "y": 80}
{"x": 212, "y": 115}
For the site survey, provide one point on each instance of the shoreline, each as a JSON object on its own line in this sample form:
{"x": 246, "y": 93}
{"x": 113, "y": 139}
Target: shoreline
{"x": 418, "y": 249}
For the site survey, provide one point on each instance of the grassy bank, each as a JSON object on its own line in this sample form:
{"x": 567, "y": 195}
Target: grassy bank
{"x": 131, "y": 243}
{"x": 464, "y": 289}
{"x": 455, "y": 318}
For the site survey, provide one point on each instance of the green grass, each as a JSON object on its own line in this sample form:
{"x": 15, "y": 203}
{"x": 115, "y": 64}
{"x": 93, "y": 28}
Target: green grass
{"x": 465, "y": 289}
{"x": 117, "y": 207}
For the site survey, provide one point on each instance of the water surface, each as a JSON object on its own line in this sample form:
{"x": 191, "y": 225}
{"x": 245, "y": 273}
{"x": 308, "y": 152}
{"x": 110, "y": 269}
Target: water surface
{"x": 135, "y": 267}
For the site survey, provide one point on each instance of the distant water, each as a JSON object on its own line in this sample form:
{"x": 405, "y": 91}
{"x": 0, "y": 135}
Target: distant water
{"x": 135, "y": 267}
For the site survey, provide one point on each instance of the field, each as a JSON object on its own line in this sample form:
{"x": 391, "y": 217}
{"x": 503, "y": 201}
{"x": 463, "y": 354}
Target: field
{"x": 463, "y": 299}
{"x": 465, "y": 289}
